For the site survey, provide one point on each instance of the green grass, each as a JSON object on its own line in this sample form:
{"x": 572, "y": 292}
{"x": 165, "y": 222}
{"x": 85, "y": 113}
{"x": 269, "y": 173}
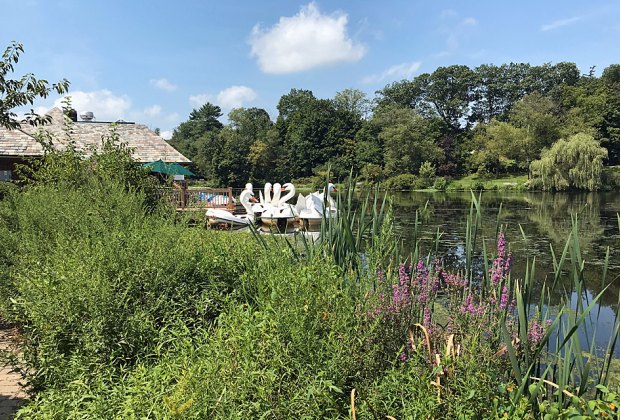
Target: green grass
{"x": 504, "y": 182}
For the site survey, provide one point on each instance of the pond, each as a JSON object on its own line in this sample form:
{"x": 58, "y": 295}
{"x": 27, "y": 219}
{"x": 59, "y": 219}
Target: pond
{"x": 544, "y": 219}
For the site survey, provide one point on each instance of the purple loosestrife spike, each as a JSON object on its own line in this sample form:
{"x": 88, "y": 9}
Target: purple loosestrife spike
{"x": 427, "y": 317}
{"x": 501, "y": 245}
{"x": 503, "y": 302}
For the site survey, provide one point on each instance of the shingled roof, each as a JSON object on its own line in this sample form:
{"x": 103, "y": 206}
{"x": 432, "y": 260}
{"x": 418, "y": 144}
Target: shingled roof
{"x": 146, "y": 145}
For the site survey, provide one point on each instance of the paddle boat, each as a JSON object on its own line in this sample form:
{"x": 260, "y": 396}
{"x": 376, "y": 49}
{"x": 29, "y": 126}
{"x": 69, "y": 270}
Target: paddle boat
{"x": 219, "y": 217}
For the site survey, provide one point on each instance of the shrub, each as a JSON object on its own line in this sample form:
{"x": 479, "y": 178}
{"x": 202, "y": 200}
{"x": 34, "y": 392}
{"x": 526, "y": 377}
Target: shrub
{"x": 371, "y": 173}
{"x": 403, "y": 182}
{"x": 6, "y": 188}
{"x": 427, "y": 174}
{"x": 477, "y": 185}
{"x": 440, "y": 184}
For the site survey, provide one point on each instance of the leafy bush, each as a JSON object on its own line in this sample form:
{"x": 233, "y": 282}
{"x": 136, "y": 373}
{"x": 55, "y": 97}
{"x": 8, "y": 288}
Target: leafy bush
{"x": 477, "y": 185}
{"x": 6, "y": 188}
{"x": 427, "y": 174}
{"x": 371, "y": 173}
{"x": 403, "y": 182}
{"x": 440, "y": 183}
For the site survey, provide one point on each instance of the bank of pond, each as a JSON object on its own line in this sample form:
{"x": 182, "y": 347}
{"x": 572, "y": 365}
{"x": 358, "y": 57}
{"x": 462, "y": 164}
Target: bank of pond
{"x": 418, "y": 305}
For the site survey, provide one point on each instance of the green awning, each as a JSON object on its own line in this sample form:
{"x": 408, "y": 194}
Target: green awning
{"x": 168, "y": 168}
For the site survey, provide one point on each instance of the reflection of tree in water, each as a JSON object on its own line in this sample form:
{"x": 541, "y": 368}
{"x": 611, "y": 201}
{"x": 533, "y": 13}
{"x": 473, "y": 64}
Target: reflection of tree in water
{"x": 552, "y": 214}
{"x": 544, "y": 217}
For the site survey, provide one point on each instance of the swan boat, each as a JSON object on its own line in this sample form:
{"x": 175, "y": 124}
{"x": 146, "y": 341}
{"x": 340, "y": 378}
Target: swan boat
{"x": 312, "y": 209}
{"x": 278, "y": 212}
{"x": 234, "y": 221}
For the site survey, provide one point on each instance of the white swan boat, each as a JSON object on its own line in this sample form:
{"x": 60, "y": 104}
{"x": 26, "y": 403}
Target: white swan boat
{"x": 312, "y": 209}
{"x": 278, "y": 212}
{"x": 223, "y": 217}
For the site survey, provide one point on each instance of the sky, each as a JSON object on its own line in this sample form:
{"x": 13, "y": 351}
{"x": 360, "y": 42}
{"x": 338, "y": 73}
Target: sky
{"x": 152, "y": 62}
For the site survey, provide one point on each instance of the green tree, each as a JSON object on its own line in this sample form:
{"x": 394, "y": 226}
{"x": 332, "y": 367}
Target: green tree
{"x": 573, "y": 163}
{"x": 195, "y": 138}
{"x": 538, "y": 116}
{"x": 247, "y": 127}
{"x": 313, "y": 133}
{"x": 15, "y": 93}
{"x": 408, "y": 138}
{"x": 500, "y": 147}
{"x": 354, "y": 101}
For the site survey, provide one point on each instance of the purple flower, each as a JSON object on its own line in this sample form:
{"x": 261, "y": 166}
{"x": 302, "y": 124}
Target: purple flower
{"x": 503, "y": 301}
{"x": 536, "y": 332}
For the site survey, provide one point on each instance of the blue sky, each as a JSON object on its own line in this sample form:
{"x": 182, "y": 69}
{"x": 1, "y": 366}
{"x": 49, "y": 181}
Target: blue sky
{"x": 154, "y": 61}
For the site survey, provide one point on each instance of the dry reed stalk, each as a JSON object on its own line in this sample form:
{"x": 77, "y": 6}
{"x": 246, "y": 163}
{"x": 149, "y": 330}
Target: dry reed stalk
{"x": 353, "y": 404}
{"x": 427, "y": 339}
{"x": 556, "y": 386}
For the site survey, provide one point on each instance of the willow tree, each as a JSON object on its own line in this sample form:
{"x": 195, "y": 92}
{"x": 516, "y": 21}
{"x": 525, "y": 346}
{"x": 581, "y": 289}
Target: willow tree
{"x": 576, "y": 163}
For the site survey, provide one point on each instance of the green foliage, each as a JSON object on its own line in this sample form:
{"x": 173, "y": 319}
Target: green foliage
{"x": 427, "y": 174}
{"x": 498, "y": 146}
{"x": 371, "y": 173}
{"x": 408, "y": 140}
{"x": 440, "y": 183}
{"x": 15, "y": 93}
{"x": 402, "y": 182}
{"x": 573, "y": 163}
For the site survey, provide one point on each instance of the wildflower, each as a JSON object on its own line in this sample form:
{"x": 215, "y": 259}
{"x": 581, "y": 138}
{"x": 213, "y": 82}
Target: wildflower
{"x": 536, "y": 332}
{"x": 427, "y": 317}
{"x": 612, "y": 406}
{"x": 402, "y": 357}
{"x": 501, "y": 244}
{"x": 510, "y": 388}
{"x": 503, "y": 302}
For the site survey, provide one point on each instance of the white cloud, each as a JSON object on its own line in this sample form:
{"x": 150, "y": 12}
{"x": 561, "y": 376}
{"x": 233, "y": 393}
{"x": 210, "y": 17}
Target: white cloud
{"x": 199, "y": 100}
{"x": 235, "y": 96}
{"x": 232, "y": 97}
{"x": 559, "y": 23}
{"x": 104, "y": 104}
{"x": 153, "y": 111}
{"x": 166, "y": 134}
{"x": 399, "y": 71}
{"x": 304, "y": 41}
{"x": 163, "y": 84}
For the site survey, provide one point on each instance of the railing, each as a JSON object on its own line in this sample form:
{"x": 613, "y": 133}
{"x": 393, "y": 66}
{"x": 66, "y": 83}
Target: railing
{"x": 185, "y": 198}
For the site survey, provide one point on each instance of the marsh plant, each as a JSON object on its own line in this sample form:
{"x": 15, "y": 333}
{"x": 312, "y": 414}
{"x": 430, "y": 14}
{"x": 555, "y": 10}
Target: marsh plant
{"x": 125, "y": 312}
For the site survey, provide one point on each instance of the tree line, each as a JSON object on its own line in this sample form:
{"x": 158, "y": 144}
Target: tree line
{"x": 456, "y": 120}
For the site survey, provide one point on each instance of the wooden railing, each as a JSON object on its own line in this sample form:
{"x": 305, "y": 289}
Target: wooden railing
{"x": 184, "y": 198}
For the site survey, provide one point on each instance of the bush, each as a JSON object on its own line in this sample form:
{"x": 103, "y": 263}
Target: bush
{"x": 478, "y": 185}
{"x": 440, "y": 184}
{"x": 6, "y": 188}
{"x": 97, "y": 278}
{"x": 403, "y": 182}
{"x": 371, "y": 173}
{"x": 427, "y": 174}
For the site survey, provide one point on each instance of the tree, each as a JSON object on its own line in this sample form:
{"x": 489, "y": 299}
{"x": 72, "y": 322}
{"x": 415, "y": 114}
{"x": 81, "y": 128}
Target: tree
{"x": 538, "y": 116}
{"x": 195, "y": 137}
{"x": 573, "y": 163}
{"x": 247, "y": 127}
{"x": 409, "y": 140}
{"x": 313, "y": 133}
{"x": 501, "y": 147}
{"x": 354, "y": 101}
{"x": 15, "y": 93}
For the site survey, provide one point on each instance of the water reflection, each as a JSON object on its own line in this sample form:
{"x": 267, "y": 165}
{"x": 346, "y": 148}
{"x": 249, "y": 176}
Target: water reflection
{"x": 545, "y": 219}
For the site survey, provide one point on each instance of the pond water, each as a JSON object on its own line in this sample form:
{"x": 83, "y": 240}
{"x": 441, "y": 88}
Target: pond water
{"x": 544, "y": 218}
